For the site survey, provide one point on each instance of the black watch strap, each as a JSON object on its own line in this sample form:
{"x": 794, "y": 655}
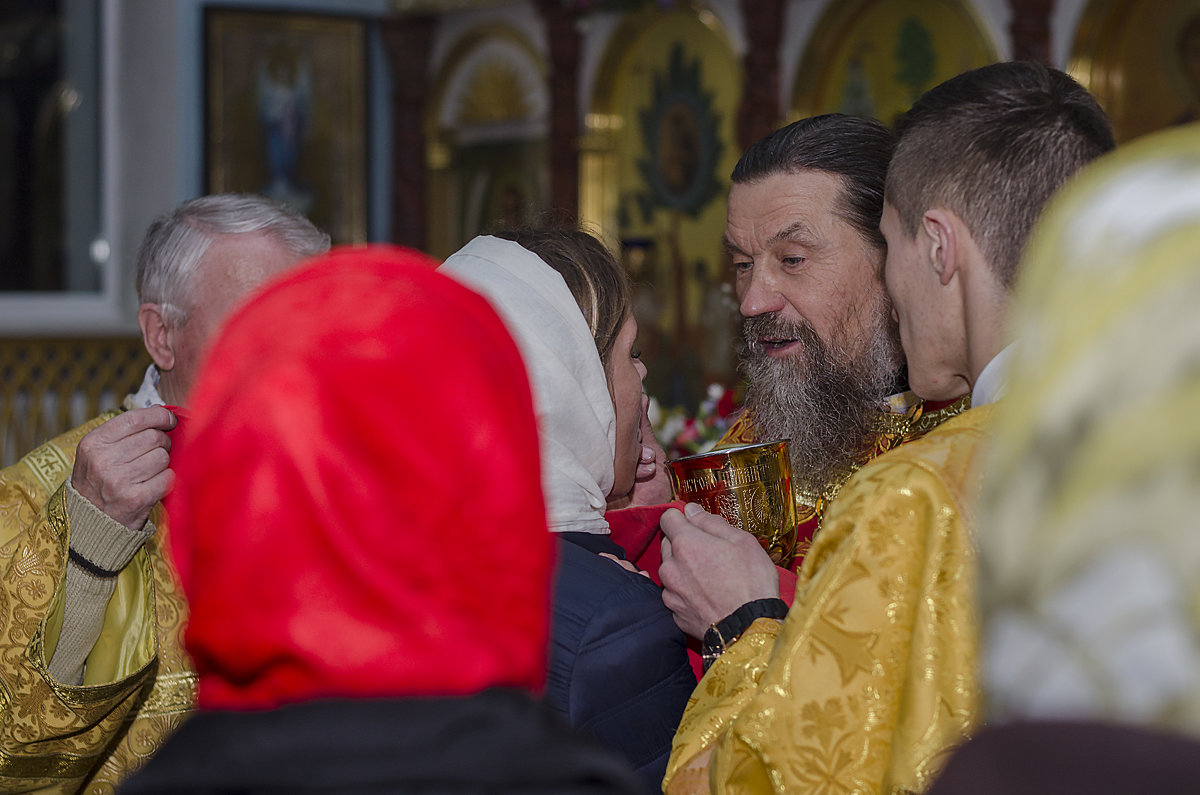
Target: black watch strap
{"x": 722, "y": 634}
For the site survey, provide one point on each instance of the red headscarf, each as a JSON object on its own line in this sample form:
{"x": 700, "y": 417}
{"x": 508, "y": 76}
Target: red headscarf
{"x": 359, "y": 511}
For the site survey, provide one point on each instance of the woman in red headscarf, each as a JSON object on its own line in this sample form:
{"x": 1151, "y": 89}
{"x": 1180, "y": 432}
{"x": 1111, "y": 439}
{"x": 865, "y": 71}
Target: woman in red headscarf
{"x": 361, "y": 432}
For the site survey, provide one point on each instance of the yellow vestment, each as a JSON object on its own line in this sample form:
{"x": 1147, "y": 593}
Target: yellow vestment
{"x": 138, "y": 683}
{"x": 871, "y": 679}
{"x": 902, "y": 418}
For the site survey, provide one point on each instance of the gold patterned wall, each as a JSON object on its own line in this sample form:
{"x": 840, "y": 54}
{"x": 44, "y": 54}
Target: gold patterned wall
{"x": 875, "y": 57}
{"x": 487, "y": 131}
{"x": 48, "y": 386}
{"x": 654, "y": 173}
{"x": 1141, "y": 58}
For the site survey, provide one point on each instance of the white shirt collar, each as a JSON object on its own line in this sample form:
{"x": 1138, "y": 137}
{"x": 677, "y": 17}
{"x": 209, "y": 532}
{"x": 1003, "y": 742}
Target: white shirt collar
{"x": 993, "y": 380}
{"x": 147, "y": 394}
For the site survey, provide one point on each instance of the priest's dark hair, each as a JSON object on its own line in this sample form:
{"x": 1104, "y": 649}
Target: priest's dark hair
{"x": 854, "y": 148}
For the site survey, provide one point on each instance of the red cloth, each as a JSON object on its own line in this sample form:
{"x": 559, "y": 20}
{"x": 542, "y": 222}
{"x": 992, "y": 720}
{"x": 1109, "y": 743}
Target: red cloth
{"x": 637, "y": 532}
{"x": 329, "y": 542}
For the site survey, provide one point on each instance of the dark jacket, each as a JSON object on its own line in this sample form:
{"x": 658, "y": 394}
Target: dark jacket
{"x": 619, "y": 668}
{"x": 496, "y": 742}
{"x": 1072, "y": 757}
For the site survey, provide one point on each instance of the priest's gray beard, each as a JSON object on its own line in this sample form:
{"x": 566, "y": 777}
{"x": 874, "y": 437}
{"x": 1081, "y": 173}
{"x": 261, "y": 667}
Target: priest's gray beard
{"x": 822, "y": 397}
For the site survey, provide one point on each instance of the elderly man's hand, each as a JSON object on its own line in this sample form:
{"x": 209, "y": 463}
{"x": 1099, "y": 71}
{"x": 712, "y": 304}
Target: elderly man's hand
{"x": 710, "y": 568}
{"x": 123, "y": 467}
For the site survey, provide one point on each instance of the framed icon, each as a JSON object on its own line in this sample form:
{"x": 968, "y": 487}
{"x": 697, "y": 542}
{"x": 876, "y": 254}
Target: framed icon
{"x": 286, "y": 113}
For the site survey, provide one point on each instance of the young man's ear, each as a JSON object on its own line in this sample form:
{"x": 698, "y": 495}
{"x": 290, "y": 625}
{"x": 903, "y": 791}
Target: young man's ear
{"x": 156, "y": 335}
{"x": 941, "y": 238}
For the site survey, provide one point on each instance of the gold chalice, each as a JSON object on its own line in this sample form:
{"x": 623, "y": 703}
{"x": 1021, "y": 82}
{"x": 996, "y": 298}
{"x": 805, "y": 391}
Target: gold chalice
{"x": 750, "y": 485}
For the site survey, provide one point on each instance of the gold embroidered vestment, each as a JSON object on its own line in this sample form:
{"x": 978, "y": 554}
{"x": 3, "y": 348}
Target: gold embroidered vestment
{"x": 138, "y": 684}
{"x": 871, "y": 679}
{"x": 903, "y": 418}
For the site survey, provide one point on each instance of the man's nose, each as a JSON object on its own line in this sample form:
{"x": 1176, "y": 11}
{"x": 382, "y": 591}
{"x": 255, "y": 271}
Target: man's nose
{"x": 762, "y": 295}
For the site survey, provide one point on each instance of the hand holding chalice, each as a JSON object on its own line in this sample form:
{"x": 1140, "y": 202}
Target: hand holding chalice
{"x": 750, "y": 486}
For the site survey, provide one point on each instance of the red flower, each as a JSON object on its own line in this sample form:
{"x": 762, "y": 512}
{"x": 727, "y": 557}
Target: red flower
{"x": 725, "y": 405}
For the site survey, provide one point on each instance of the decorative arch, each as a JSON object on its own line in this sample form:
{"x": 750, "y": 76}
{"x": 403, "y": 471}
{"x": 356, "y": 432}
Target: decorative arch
{"x": 487, "y": 128}
{"x": 1141, "y": 59}
{"x": 658, "y": 148}
{"x": 875, "y": 57}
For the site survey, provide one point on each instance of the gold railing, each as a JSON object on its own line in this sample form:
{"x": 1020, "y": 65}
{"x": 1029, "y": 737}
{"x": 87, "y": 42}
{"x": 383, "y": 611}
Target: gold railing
{"x": 48, "y": 386}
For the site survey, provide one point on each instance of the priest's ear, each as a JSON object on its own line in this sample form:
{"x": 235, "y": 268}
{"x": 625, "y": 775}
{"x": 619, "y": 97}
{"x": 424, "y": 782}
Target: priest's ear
{"x": 156, "y": 334}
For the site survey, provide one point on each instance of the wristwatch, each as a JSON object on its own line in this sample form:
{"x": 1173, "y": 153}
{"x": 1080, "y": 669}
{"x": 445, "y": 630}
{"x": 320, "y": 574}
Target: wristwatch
{"x": 721, "y": 635}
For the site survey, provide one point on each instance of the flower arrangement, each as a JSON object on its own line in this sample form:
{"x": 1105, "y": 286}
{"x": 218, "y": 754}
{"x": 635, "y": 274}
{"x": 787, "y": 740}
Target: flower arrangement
{"x": 683, "y": 434}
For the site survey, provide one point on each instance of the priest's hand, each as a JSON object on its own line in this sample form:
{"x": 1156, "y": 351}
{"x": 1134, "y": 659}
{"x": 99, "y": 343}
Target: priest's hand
{"x": 123, "y": 467}
{"x": 710, "y": 568}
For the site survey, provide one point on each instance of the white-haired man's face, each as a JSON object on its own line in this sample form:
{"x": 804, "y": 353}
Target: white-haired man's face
{"x": 231, "y": 268}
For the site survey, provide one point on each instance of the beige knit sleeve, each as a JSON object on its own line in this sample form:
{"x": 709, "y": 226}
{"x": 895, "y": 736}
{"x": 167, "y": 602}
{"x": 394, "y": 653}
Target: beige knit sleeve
{"x": 108, "y": 545}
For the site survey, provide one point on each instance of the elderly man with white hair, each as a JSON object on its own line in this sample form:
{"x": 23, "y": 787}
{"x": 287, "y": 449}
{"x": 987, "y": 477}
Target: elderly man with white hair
{"x": 93, "y": 675}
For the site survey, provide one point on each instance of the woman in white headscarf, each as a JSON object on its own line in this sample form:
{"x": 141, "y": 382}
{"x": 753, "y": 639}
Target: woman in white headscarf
{"x": 619, "y": 667}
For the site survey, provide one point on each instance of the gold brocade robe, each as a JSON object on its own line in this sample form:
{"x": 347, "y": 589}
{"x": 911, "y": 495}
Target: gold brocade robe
{"x": 871, "y": 679}
{"x": 138, "y": 682}
{"x": 903, "y": 418}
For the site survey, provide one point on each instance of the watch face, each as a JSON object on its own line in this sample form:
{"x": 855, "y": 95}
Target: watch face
{"x": 723, "y": 633}
{"x": 711, "y": 647}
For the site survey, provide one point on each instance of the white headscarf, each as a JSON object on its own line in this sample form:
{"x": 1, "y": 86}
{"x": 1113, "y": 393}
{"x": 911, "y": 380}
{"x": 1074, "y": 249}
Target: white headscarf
{"x": 576, "y": 420}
